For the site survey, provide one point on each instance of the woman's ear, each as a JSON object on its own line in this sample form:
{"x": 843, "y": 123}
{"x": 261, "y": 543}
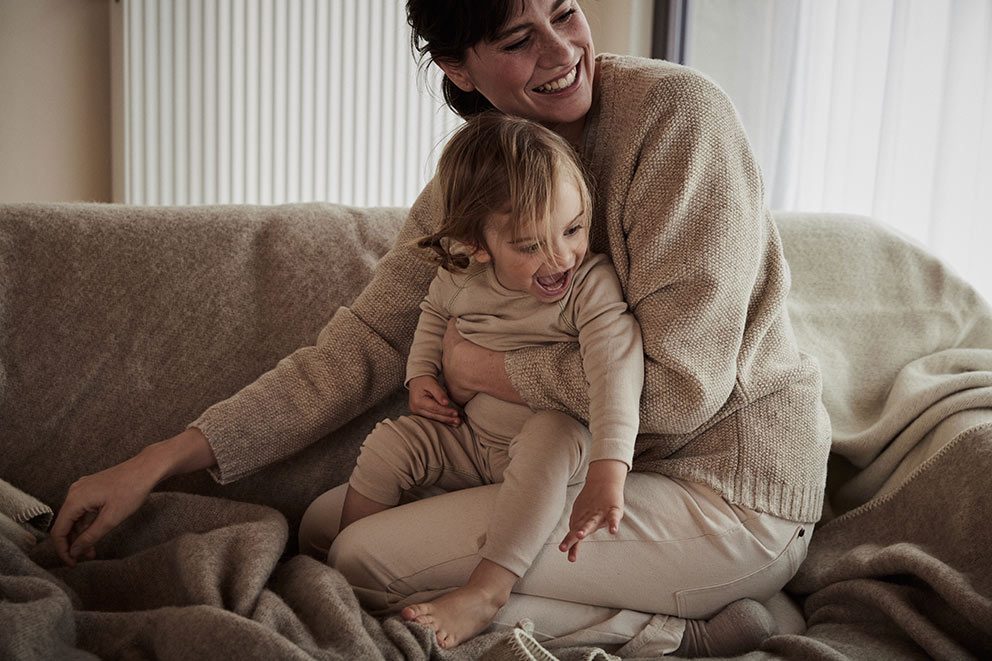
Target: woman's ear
{"x": 457, "y": 74}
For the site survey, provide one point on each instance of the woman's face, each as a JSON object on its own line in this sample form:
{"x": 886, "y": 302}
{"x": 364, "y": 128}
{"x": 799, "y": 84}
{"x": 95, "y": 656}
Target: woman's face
{"x": 539, "y": 67}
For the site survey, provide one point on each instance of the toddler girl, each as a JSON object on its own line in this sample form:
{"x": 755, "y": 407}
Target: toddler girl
{"x": 515, "y": 271}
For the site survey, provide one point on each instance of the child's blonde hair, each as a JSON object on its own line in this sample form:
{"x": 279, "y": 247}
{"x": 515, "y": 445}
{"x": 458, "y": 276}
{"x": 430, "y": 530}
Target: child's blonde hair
{"x": 497, "y": 164}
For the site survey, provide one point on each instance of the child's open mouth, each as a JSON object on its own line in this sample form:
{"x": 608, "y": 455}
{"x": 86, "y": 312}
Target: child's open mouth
{"x": 555, "y": 284}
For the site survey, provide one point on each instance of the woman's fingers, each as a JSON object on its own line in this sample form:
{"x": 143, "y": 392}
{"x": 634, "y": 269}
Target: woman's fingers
{"x": 96, "y": 526}
{"x": 63, "y": 532}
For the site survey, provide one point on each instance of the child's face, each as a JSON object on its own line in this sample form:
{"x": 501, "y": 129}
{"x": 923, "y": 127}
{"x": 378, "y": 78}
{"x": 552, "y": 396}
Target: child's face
{"x": 521, "y": 263}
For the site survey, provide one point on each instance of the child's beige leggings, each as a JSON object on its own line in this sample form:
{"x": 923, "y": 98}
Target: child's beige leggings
{"x": 682, "y": 551}
{"x": 499, "y": 442}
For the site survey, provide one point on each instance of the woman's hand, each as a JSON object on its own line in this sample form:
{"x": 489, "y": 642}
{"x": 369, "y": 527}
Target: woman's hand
{"x": 598, "y": 505}
{"x": 458, "y": 374}
{"x": 470, "y": 369}
{"x": 429, "y": 399}
{"x": 98, "y": 503}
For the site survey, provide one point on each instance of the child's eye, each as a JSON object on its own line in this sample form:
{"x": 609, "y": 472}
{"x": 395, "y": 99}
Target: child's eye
{"x": 530, "y": 249}
{"x": 571, "y": 231}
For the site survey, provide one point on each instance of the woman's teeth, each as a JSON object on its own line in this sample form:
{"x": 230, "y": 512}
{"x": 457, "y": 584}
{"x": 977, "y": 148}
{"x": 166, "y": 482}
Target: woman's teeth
{"x": 560, "y": 84}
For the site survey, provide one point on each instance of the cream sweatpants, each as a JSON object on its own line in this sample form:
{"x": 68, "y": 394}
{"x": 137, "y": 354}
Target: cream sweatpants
{"x": 682, "y": 551}
{"x": 534, "y": 457}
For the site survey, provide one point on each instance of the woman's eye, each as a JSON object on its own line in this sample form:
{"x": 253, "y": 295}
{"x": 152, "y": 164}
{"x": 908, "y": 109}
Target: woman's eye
{"x": 516, "y": 45}
{"x": 565, "y": 16}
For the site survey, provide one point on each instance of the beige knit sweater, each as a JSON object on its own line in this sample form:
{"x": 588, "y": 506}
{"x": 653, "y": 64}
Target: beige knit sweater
{"x": 728, "y": 399}
{"x": 593, "y": 313}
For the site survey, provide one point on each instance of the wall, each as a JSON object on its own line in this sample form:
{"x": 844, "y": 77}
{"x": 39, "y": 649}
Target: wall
{"x": 620, "y": 26}
{"x": 55, "y": 71}
{"x": 54, "y": 100}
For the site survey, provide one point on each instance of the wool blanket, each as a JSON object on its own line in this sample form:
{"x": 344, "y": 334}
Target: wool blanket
{"x": 117, "y": 325}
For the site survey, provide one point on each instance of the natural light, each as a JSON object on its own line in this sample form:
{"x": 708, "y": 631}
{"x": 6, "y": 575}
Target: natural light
{"x": 880, "y": 108}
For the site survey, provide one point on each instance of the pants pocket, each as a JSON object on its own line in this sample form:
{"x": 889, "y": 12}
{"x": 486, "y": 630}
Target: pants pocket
{"x": 760, "y": 585}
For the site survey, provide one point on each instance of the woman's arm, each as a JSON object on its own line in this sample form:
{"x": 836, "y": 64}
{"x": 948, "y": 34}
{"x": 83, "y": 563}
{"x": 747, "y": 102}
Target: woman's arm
{"x": 97, "y": 503}
{"x": 470, "y": 369}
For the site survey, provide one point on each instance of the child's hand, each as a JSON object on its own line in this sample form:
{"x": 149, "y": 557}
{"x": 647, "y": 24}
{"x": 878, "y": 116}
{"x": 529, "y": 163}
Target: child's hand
{"x": 599, "y": 504}
{"x": 429, "y": 399}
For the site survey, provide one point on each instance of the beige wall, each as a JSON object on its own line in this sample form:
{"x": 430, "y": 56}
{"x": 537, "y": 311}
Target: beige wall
{"x": 54, "y": 100}
{"x": 55, "y": 103}
{"x": 620, "y": 26}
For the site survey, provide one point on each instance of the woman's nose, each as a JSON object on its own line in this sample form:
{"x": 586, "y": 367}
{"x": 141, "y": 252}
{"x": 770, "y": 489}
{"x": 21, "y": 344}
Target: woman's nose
{"x": 556, "y": 51}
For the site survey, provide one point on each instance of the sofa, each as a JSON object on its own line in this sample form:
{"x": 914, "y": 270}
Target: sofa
{"x": 119, "y": 325}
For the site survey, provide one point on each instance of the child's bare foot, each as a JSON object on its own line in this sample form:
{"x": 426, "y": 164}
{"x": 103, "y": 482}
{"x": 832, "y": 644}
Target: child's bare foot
{"x": 457, "y": 615}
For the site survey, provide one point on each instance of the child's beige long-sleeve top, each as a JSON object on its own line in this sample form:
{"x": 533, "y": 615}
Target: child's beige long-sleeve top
{"x": 593, "y": 313}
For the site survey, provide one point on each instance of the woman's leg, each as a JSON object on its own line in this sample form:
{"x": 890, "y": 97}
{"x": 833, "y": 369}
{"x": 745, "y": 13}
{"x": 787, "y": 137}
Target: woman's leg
{"x": 681, "y": 551}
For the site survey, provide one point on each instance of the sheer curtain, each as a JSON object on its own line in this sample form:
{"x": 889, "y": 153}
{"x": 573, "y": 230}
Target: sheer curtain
{"x": 877, "y": 107}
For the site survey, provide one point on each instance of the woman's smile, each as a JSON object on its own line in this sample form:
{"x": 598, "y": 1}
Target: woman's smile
{"x": 569, "y": 81}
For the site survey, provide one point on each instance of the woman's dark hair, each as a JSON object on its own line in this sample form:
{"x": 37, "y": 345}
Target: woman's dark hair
{"x": 445, "y": 29}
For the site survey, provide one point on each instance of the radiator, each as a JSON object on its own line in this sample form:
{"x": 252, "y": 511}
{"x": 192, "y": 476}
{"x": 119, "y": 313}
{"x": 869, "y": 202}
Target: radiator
{"x": 271, "y": 101}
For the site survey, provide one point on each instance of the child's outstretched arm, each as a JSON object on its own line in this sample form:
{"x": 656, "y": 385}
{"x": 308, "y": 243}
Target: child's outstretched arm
{"x": 598, "y": 505}
{"x": 613, "y": 366}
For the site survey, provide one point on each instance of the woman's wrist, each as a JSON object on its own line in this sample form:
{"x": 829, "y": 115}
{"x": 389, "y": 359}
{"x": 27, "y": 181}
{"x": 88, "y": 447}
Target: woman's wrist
{"x": 492, "y": 377}
{"x": 184, "y": 453}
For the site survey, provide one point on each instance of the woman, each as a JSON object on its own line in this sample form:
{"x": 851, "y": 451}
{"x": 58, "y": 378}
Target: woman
{"x": 730, "y": 463}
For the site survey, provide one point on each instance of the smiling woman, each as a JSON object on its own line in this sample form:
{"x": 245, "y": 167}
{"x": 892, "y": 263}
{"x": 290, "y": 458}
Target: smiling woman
{"x": 679, "y": 209}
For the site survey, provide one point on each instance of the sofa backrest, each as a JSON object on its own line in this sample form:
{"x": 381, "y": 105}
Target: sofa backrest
{"x": 120, "y": 325}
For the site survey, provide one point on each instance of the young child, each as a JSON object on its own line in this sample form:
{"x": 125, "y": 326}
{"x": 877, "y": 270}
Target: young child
{"x": 515, "y": 272}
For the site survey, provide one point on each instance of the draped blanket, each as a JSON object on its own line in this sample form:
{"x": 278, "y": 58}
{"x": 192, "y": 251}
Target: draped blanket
{"x": 118, "y": 325}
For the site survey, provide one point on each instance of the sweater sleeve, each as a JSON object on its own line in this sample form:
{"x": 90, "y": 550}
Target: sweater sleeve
{"x": 358, "y": 359}
{"x": 613, "y": 363}
{"x": 695, "y": 220}
{"x": 425, "y": 352}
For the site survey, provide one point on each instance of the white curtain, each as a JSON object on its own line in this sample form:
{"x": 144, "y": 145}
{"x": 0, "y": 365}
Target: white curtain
{"x": 876, "y": 107}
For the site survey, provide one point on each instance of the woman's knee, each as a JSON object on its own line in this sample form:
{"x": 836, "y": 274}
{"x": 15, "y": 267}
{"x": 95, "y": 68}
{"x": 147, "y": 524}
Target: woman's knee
{"x": 319, "y": 525}
{"x": 360, "y": 552}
